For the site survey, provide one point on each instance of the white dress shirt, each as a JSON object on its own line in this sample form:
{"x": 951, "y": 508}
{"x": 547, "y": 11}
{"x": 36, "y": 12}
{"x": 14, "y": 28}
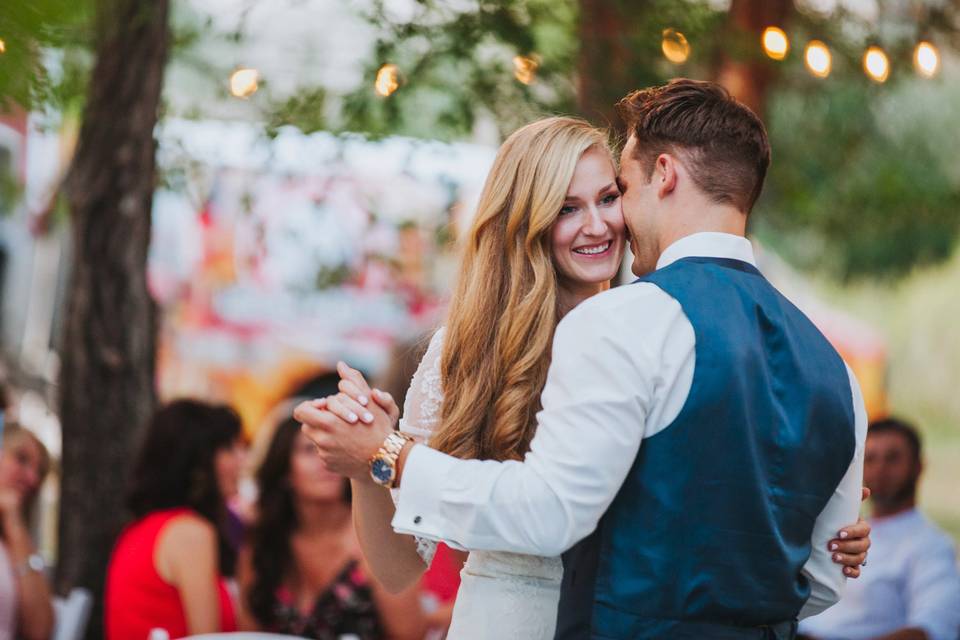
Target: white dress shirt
{"x": 912, "y": 581}
{"x": 622, "y": 369}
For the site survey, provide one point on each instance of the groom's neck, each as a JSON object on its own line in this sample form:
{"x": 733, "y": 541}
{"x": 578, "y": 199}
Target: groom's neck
{"x": 702, "y": 217}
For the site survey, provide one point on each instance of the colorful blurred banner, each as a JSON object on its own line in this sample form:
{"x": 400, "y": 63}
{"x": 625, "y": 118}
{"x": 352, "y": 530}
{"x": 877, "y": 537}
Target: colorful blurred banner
{"x": 273, "y": 259}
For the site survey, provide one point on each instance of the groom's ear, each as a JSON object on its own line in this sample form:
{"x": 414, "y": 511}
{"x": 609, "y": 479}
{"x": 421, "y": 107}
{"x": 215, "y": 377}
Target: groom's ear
{"x": 665, "y": 174}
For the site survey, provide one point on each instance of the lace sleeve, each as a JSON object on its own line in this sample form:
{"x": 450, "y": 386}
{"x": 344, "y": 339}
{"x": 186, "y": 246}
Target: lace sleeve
{"x": 421, "y": 413}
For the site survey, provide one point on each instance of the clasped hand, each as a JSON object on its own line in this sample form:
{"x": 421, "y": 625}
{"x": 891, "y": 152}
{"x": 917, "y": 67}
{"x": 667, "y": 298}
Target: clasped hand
{"x": 349, "y": 427}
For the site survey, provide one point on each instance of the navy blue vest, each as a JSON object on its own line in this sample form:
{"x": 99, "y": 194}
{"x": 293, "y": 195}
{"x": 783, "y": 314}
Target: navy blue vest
{"x": 710, "y": 530}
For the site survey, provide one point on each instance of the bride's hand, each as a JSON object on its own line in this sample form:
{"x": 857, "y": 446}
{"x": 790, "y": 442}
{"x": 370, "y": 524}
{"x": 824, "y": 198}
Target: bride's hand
{"x": 353, "y": 384}
{"x": 850, "y": 548}
{"x": 355, "y": 395}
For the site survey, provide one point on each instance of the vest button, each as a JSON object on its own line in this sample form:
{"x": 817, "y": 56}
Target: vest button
{"x": 417, "y": 520}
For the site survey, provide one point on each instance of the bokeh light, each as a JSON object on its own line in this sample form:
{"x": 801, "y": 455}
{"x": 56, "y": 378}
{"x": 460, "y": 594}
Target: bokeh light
{"x": 243, "y": 82}
{"x": 525, "y": 68}
{"x": 675, "y": 47}
{"x": 926, "y": 59}
{"x": 388, "y": 80}
{"x": 775, "y": 43}
{"x": 876, "y": 65}
{"x": 818, "y": 59}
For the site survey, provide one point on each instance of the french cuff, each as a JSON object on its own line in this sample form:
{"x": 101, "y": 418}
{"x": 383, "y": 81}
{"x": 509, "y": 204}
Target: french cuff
{"x": 420, "y": 495}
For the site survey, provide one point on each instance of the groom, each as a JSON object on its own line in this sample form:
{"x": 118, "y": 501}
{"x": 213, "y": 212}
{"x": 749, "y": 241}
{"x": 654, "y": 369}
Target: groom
{"x": 700, "y": 440}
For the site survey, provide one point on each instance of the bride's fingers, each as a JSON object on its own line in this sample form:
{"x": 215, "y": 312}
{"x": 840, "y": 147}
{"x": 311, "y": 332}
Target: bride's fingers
{"x": 348, "y": 373}
{"x": 348, "y": 409}
{"x": 386, "y": 402}
{"x": 849, "y": 559}
{"x": 348, "y": 387}
{"x": 858, "y": 531}
{"x": 856, "y": 545}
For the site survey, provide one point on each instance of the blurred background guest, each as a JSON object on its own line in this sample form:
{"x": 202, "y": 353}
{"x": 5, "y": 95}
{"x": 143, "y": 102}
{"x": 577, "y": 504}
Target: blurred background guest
{"x": 168, "y": 566}
{"x": 25, "y": 605}
{"x": 302, "y": 572}
{"x": 911, "y": 590}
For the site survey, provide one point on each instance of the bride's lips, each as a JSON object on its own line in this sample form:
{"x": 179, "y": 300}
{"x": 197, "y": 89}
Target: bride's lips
{"x": 600, "y": 250}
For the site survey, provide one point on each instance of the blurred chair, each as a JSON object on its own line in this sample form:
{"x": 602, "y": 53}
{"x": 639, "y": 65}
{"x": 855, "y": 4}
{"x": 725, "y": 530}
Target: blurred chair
{"x": 71, "y": 615}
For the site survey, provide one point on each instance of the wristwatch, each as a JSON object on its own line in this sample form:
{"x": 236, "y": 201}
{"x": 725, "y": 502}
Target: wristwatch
{"x": 383, "y": 464}
{"x": 34, "y": 563}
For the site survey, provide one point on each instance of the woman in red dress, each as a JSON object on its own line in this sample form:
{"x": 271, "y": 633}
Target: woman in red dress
{"x": 168, "y": 565}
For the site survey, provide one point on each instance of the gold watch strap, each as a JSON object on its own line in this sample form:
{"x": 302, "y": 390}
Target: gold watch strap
{"x": 392, "y": 446}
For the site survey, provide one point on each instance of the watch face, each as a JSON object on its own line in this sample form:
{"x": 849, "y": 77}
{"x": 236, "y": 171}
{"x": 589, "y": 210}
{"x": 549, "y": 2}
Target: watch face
{"x": 36, "y": 563}
{"x": 382, "y": 471}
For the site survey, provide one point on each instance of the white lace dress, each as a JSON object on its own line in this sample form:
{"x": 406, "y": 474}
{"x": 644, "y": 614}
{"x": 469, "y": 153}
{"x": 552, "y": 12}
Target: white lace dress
{"x": 503, "y": 596}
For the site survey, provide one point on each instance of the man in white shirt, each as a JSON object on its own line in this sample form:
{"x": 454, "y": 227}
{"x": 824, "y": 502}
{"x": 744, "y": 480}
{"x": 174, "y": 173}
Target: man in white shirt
{"x": 700, "y": 442}
{"x": 912, "y": 590}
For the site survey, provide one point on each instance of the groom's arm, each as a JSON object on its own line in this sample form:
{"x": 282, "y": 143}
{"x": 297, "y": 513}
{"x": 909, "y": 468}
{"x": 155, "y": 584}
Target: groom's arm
{"x": 826, "y": 578}
{"x": 595, "y": 404}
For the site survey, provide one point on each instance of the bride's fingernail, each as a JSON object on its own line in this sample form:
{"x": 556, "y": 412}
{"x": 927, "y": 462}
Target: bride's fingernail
{"x": 834, "y": 546}
{"x": 363, "y": 400}
{"x": 368, "y": 417}
{"x": 352, "y": 417}
{"x": 844, "y": 534}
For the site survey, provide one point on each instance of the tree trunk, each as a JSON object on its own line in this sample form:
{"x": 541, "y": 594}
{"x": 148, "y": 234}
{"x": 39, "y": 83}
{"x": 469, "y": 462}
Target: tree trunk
{"x": 107, "y": 376}
{"x": 603, "y": 66}
{"x": 744, "y": 70}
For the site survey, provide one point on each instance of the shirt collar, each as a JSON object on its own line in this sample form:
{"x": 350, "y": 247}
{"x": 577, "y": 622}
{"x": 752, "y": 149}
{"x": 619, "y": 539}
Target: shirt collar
{"x": 709, "y": 245}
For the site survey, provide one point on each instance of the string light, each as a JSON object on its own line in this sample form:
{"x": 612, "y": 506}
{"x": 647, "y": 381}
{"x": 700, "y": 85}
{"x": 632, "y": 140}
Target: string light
{"x": 876, "y": 64}
{"x": 818, "y": 59}
{"x": 675, "y": 47}
{"x": 388, "y": 80}
{"x": 243, "y": 82}
{"x": 775, "y": 43}
{"x": 3, "y": 46}
{"x": 525, "y": 68}
{"x": 926, "y": 59}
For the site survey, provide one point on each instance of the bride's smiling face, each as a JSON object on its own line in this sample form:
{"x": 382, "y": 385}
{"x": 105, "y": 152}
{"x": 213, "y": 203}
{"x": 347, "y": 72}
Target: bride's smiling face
{"x": 588, "y": 236}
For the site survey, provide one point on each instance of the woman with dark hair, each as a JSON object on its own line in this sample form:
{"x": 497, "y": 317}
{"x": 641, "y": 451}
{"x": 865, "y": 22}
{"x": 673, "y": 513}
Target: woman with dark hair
{"x": 301, "y": 571}
{"x": 168, "y": 565}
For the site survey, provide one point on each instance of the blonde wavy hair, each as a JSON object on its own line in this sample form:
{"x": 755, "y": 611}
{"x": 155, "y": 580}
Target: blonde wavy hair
{"x": 504, "y": 310}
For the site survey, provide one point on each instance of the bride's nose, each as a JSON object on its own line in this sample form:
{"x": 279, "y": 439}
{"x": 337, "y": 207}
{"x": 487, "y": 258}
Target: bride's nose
{"x": 594, "y": 225}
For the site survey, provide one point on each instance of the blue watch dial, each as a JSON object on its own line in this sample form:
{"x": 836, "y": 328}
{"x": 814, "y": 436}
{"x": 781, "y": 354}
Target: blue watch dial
{"x": 381, "y": 471}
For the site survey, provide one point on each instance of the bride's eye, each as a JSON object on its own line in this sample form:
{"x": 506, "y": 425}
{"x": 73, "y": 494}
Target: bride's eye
{"x": 610, "y": 198}
{"x": 567, "y": 210}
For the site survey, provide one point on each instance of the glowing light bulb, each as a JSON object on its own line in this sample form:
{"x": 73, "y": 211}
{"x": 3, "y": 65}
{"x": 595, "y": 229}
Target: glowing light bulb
{"x": 876, "y": 64}
{"x": 775, "y": 43}
{"x": 3, "y": 46}
{"x": 926, "y": 59}
{"x": 243, "y": 82}
{"x": 818, "y": 59}
{"x": 525, "y": 68}
{"x": 675, "y": 47}
{"x": 388, "y": 80}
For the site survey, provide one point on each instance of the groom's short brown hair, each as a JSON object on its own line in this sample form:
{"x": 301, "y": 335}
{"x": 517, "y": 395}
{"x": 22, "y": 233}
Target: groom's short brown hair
{"x": 724, "y": 142}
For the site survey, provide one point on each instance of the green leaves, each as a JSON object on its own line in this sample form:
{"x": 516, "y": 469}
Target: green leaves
{"x": 29, "y": 74}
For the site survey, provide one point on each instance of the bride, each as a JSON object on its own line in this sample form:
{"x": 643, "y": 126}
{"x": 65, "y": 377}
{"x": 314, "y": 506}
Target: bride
{"x": 548, "y": 234}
